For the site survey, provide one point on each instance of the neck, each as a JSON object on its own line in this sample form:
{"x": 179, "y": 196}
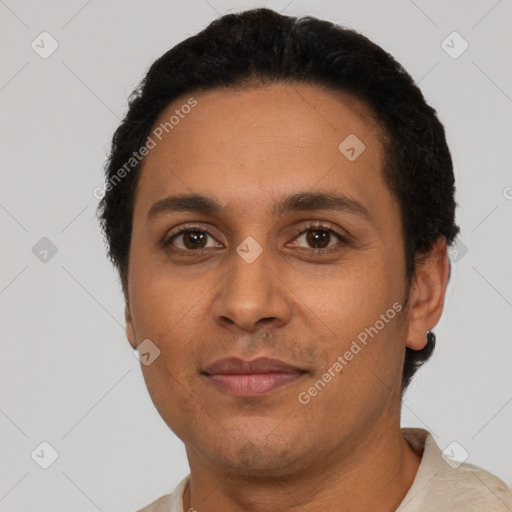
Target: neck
{"x": 375, "y": 475}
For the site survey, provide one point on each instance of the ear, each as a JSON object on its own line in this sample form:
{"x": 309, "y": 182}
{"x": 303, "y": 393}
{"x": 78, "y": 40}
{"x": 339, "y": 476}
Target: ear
{"x": 130, "y": 331}
{"x": 428, "y": 289}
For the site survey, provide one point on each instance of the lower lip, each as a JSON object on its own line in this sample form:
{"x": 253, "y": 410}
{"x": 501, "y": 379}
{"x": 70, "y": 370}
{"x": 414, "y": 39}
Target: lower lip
{"x": 253, "y": 384}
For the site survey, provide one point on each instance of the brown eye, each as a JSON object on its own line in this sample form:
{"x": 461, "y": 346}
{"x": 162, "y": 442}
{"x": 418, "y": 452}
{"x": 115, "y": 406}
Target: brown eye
{"x": 191, "y": 240}
{"x": 318, "y": 238}
{"x": 194, "y": 239}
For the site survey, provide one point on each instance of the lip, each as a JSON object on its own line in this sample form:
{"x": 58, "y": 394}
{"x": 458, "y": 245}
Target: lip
{"x": 255, "y": 377}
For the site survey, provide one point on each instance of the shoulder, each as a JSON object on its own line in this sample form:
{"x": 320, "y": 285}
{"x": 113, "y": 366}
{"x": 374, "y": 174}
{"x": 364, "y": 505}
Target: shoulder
{"x": 170, "y": 502}
{"x": 470, "y": 487}
{"x": 444, "y": 484}
{"x": 160, "y": 505}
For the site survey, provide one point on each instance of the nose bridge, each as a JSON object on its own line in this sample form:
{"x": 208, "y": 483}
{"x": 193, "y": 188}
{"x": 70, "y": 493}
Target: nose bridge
{"x": 252, "y": 291}
{"x": 251, "y": 268}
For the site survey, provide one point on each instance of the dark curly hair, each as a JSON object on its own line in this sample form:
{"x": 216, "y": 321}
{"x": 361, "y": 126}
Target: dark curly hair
{"x": 260, "y": 46}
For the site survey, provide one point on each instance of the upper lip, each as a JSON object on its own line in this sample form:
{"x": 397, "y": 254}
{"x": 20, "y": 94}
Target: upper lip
{"x": 237, "y": 366}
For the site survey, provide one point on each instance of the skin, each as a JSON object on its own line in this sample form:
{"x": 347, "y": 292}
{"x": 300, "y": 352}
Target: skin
{"x": 249, "y": 148}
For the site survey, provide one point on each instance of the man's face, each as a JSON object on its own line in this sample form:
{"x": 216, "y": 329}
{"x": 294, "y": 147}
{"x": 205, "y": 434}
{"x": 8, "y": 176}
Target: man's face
{"x": 270, "y": 282}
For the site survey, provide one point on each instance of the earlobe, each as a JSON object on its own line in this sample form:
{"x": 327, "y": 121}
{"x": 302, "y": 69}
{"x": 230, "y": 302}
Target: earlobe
{"x": 130, "y": 331}
{"x": 416, "y": 342}
{"x": 427, "y": 294}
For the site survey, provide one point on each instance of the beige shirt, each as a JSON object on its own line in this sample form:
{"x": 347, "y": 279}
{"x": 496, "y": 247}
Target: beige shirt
{"x": 439, "y": 486}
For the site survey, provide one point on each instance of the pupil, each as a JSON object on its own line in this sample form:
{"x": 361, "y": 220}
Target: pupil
{"x": 317, "y": 237}
{"x": 196, "y": 237}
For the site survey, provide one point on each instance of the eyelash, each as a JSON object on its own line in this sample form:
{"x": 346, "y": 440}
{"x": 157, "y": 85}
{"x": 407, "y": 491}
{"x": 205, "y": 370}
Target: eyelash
{"x": 319, "y": 226}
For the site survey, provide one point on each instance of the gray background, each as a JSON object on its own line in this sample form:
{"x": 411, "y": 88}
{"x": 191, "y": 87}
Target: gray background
{"x": 68, "y": 375}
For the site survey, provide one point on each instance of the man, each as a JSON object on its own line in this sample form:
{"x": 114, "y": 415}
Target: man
{"x": 279, "y": 202}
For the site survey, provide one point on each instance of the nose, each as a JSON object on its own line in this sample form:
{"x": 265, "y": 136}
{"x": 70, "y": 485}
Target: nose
{"x": 253, "y": 294}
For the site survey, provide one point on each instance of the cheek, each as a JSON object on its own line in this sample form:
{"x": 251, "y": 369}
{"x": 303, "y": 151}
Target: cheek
{"x": 348, "y": 297}
{"x": 172, "y": 316}
{"x": 358, "y": 313}
{"x": 163, "y": 302}
{"x": 171, "y": 397}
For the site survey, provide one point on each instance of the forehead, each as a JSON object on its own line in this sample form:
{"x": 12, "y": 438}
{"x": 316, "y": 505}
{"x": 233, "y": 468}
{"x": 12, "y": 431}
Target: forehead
{"x": 247, "y": 144}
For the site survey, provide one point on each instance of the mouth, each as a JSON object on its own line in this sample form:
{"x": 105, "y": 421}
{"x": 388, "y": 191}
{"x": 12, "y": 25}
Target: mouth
{"x": 251, "y": 378}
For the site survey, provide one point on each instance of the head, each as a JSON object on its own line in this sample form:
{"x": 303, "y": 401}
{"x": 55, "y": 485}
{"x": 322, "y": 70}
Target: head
{"x": 261, "y": 123}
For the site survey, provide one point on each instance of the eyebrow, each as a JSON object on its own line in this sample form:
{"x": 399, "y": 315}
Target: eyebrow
{"x": 298, "y": 202}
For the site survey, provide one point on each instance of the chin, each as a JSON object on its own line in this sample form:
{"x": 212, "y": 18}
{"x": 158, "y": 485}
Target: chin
{"x": 253, "y": 457}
